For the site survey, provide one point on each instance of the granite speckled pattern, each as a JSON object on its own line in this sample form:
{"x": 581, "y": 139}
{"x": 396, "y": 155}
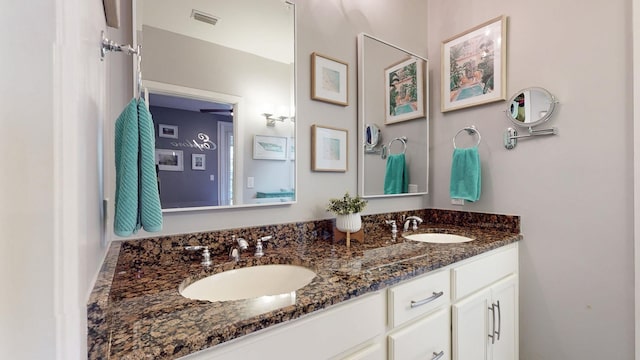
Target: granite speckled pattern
{"x": 136, "y": 312}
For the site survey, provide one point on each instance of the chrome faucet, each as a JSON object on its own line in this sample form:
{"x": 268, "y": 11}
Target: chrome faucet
{"x": 206, "y": 255}
{"x": 414, "y": 221}
{"x": 234, "y": 253}
{"x": 242, "y": 243}
{"x": 259, "y": 252}
{"x": 394, "y": 228}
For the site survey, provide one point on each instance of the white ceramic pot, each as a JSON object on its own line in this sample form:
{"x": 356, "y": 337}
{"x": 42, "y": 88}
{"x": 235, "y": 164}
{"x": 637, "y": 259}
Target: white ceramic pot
{"x": 349, "y": 223}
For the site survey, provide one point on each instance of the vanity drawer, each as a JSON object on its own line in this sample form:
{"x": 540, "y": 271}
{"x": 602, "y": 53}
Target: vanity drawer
{"x": 427, "y": 338}
{"x": 489, "y": 268}
{"x": 418, "y": 297}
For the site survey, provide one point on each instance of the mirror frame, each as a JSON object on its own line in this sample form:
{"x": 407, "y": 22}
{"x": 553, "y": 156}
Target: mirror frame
{"x": 170, "y": 89}
{"x": 545, "y": 118}
{"x": 362, "y": 122}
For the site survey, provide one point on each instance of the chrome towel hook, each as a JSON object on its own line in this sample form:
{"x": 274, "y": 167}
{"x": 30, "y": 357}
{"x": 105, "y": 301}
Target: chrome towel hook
{"x": 470, "y": 130}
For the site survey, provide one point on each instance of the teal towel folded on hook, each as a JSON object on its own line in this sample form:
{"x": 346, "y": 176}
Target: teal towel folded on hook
{"x": 137, "y": 198}
{"x": 466, "y": 179}
{"x": 396, "y": 177}
{"x": 149, "y": 208}
{"x": 125, "y": 220}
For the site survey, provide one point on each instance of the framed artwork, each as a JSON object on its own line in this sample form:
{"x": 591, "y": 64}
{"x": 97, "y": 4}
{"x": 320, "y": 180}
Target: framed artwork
{"x": 169, "y": 160}
{"x": 404, "y": 100}
{"x": 328, "y": 149}
{"x": 291, "y": 142}
{"x": 269, "y": 147}
{"x": 168, "y": 131}
{"x": 198, "y": 162}
{"x": 329, "y": 80}
{"x": 474, "y": 67}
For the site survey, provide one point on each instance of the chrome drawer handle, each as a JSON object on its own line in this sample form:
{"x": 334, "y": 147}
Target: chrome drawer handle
{"x": 427, "y": 300}
{"x": 499, "y": 321}
{"x": 437, "y": 356}
{"x": 492, "y": 334}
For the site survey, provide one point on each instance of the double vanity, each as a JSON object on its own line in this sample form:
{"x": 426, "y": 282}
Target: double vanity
{"x": 376, "y": 299}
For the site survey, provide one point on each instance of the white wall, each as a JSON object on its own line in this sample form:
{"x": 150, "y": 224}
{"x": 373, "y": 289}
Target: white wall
{"x": 55, "y": 98}
{"x": 26, "y": 192}
{"x": 574, "y": 190}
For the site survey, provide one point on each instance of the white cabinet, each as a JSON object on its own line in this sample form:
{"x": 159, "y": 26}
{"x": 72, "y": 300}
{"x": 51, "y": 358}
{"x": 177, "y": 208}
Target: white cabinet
{"x": 465, "y": 311}
{"x": 419, "y": 314}
{"x": 485, "y": 320}
{"x": 375, "y": 351}
{"x": 320, "y": 336}
{"x": 418, "y": 297}
{"x": 427, "y": 338}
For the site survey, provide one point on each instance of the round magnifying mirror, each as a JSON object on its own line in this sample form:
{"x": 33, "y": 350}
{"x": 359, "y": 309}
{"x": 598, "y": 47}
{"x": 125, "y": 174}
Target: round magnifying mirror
{"x": 371, "y": 136}
{"x": 531, "y": 106}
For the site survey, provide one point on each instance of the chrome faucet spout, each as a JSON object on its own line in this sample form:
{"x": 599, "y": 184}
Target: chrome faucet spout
{"x": 414, "y": 221}
{"x": 242, "y": 243}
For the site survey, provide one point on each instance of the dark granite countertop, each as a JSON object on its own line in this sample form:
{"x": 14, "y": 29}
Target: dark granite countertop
{"x": 136, "y": 311}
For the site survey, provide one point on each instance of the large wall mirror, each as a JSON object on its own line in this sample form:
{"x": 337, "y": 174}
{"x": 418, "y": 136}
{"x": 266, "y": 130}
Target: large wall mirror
{"x": 392, "y": 120}
{"x": 220, "y": 85}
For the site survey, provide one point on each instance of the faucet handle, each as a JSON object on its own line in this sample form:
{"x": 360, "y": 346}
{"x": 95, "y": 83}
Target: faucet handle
{"x": 233, "y": 254}
{"x": 392, "y": 223}
{"x": 259, "y": 249}
{"x": 394, "y": 228}
{"x": 206, "y": 255}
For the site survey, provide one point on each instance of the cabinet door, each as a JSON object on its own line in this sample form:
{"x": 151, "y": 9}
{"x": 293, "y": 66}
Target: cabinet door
{"x": 427, "y": 338}
{"x": 505, "y": 293}
{"x": 470, "y": 327}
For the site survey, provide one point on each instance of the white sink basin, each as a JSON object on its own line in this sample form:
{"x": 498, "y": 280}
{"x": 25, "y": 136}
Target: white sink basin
{"x": 249, "y": 283}
{"x": 438, "y": 238}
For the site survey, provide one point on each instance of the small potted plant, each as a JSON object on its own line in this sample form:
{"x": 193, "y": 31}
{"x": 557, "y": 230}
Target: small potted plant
{"x": 347, "y": 210}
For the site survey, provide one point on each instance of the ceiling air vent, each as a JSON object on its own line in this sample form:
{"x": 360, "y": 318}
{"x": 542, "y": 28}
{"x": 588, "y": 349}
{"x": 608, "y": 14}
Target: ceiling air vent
{"x": 204, "y": 17}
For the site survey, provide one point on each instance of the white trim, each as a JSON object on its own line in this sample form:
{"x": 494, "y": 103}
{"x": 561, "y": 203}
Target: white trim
{"x": 68, "y": 310}
{"x": 636, "y": 166}
{"x": 224, "y": 129}
{"x": 240, "y": 118}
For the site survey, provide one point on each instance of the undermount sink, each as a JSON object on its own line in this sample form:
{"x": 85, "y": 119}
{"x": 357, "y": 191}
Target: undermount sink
{"x": 249, "y": 283}
{"x": 438, "y": 238}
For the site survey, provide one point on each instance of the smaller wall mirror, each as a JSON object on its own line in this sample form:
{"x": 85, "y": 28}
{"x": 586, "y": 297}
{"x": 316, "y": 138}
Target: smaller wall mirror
{"x": 528, "y": 108}
{"x": 372, "y": 136}
{"x": 531, "y": 107}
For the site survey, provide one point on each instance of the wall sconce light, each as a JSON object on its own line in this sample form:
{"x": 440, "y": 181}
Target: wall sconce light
{"x": 271, "y": 120}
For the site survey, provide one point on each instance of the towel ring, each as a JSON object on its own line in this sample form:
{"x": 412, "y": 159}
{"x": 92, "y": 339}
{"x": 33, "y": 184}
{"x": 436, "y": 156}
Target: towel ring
{"x": 403, "y": 140}
{"x": 470, "y": 130}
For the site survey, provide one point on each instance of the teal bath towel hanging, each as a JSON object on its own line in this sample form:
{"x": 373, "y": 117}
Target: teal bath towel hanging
{"x": 396, "y": 178}
{"x": 466, "y": 179}
{"x": 126, "y": 157}
{"x": 137, "y": 203}
{"x": 150, "y": 210}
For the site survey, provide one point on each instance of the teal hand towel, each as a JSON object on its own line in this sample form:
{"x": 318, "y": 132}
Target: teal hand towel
{"x": 465, "y": 174}
{"x": 150, "y": 212}
{"x": 396, "y": 177}
{"x": 126, "y": 157}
